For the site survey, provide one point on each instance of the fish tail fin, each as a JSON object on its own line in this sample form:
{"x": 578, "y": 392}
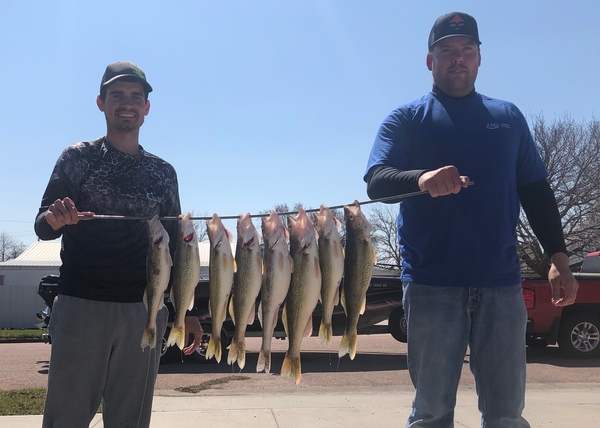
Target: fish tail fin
{"x": 149, "y": 338}
{"x": 348, "y": 345}
{"x": 264, "y": 361}
{"x": 237, "y": 352}
{"x": 291, "y": 368}
{"x": 214, "y": 348}
{"x": 177, "y": 337}
{"x": 325, "y": 333}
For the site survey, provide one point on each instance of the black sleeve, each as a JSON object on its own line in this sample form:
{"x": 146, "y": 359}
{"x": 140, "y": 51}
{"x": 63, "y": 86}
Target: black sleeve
{"x": 385, "y": 181}
{"x": 539, "y": 204}
{"x": 65, "y": 181}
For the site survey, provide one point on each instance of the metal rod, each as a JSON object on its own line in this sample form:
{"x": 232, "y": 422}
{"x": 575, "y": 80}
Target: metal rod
{"x": 388, "y": 199}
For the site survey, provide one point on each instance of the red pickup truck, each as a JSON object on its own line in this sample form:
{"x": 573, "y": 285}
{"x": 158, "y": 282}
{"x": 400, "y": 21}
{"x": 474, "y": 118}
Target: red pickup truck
{"x": 576, "y": 327}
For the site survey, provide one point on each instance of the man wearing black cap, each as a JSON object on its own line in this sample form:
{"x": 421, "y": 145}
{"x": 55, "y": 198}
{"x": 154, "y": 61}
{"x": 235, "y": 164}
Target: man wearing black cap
{"x": 98, "y": 317}
{"x": 460, "y": 269}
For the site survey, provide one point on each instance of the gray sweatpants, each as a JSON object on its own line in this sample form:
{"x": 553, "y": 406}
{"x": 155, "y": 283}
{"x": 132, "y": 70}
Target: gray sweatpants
{"x": 96, "y": 356}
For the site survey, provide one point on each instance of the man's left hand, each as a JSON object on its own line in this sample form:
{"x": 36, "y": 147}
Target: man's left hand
{"x": 192, "y": 326}
{"x": 560, "y": 276}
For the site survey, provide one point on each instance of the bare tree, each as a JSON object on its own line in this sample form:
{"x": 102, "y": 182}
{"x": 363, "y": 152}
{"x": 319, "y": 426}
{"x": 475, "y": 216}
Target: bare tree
{"x": 10, "y": 248}
{"x": 385, "y": 236}
{"x": 200, "y": 226}
{"x": 571, "y": 152}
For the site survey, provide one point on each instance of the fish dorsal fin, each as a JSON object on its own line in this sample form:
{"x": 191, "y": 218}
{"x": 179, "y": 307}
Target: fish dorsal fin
{"x": 364, "y": 306}
{"x": 250, "y": 319}
{"x": 260, "y": 320}
{"x": 336, "y": 297}
{"x": 284, "y": 320}
{"x": 309, "y": 328}
{"x": 374, "y": 256}
{"x": 231, "y": 311}
{"x": 228, "y": 234}
{"x": 286, "y": 235}
{"x": 338, "y": 224}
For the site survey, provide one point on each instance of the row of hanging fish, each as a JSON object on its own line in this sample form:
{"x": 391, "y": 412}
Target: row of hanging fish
{"x": 298, "y": 267}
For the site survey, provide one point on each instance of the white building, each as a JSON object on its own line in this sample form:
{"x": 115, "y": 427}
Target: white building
{"x": 20, "y": 278}
{"x": 19, "y": 281}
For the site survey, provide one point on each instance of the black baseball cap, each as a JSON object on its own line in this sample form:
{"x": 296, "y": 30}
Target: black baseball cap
{"x": 451, "y": 25}
{"x": 124, "y": 69}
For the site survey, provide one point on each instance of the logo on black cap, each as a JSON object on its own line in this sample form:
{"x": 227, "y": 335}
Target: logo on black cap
{"x": 457, "y": 22}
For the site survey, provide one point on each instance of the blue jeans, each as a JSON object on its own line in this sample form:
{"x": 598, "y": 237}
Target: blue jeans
{"x": 442, "y": 321}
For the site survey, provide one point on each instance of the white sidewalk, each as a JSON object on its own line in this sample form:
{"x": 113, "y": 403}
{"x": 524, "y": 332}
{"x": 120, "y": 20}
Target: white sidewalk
{"x": 547, "y": 405}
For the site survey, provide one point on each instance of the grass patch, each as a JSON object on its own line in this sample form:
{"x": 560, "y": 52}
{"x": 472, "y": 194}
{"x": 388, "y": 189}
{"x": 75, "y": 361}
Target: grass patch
{"x": 34, "y": 333}
{"x": 28, "y": 401}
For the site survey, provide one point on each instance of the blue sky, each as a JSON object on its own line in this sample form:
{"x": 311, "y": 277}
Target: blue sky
{"x": 257, "y": 103}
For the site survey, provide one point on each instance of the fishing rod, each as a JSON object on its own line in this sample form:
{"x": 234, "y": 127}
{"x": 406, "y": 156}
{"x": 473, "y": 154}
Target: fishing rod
{"x": 387, "y": 199}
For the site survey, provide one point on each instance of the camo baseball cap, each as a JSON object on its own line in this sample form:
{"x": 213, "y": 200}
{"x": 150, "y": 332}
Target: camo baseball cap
{"x": 119, "y": 70}
{"x": 451, "y": 25}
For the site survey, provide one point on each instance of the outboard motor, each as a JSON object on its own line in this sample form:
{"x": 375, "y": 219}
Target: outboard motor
{"x": 48, "y": 290}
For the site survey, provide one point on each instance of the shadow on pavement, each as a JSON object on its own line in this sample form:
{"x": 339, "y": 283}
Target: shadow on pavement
{"x": 552, "y": 355}
{"x": 312, "y": 362}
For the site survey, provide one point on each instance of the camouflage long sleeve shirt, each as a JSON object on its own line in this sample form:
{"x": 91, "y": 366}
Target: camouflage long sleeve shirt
{"x": 106, "y": 259}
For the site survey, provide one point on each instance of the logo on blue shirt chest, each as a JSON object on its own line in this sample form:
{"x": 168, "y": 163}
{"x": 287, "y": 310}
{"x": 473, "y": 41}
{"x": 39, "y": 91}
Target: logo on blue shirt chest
{"x": 494, "y": 125}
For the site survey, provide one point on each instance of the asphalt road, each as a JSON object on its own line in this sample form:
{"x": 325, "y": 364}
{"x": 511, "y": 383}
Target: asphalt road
{"x": 380, "y": 361}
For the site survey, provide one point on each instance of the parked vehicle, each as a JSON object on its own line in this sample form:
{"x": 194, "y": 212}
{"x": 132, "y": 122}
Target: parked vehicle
{"x": 576, "y": 327}
{"x": 384, "y": 302}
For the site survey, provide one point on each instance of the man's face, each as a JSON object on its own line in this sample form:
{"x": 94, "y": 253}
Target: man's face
{"x": 124, "y": 106}
{"x": 454, "y": 63}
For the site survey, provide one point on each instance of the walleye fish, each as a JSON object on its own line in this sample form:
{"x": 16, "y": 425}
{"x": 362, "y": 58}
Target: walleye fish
{"x": 221, "y": 268}
{"x": 331, "y": 261}
{"x": 278, "y": 267}
{"x": 303, "y": 294}
{"x": 158, "y": 271}
{"x": 185, "y": 278}
{"x": 246, "y": 286}
{"x": 358, "y": 267}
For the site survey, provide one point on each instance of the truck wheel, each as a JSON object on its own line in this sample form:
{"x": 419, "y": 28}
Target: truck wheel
{"x": 397, "y": 325}
{"x": 579, "y": 336}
